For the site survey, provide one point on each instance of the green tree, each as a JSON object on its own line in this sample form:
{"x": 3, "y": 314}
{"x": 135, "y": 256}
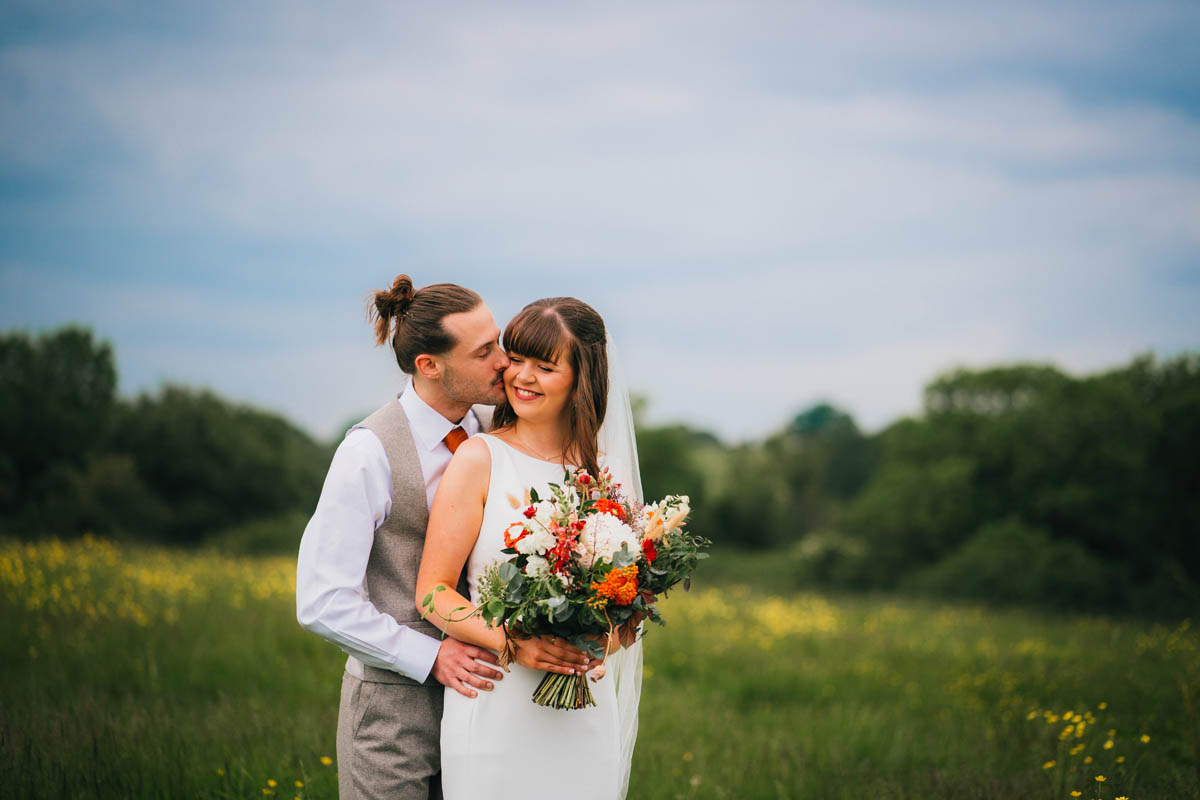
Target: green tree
{"x": 57, "y": 397}
{"x": 215, "y": 464}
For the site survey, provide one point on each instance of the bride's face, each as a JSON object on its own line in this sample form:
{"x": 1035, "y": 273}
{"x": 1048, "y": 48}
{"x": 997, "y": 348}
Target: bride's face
{"x": 538, "y": 390}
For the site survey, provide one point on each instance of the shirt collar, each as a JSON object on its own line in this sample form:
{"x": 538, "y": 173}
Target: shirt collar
{"x": 428, "y": 426}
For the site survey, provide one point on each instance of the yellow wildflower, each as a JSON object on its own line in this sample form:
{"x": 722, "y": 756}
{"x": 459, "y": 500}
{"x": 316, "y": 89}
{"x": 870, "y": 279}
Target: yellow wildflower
{"x": 299, "y": 784}
{"x": 1100, "y": 779}
{"x": 1049, "y": 765}
{"x": 688, "y": 756}
{"x": 326, "y": 760}
{"x": 271, "y": 782}
{"x": 1087, "y": 760}
{"x": 1108, "y": 745}
{"x": 1120, "y": 759}
{"x": 1145, "y": 738}
{"x": 1076, "y": 793}
{"x": 1102, "y": 706}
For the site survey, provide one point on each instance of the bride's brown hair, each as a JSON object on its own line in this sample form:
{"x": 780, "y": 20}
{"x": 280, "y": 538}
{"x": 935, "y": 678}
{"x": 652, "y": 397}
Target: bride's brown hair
{"x": 549, "y": 330}
{"x": 417, "y": 317}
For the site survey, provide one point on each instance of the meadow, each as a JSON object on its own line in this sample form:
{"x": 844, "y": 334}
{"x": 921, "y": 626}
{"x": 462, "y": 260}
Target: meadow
{"x": 140, "y": 672}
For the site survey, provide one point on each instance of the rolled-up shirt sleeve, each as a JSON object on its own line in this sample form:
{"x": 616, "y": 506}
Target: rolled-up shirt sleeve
{"x": 331, "y": 598}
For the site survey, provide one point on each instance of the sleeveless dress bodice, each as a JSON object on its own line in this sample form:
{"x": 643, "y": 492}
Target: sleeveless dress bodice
{"x": 501, "y": 743}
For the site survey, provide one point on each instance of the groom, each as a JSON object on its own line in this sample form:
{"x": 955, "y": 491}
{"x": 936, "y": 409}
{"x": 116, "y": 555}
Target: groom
{"x": 360, "y": 551}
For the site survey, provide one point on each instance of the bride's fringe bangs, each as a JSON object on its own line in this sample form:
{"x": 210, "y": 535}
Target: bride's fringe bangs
{"x": 537, "y": 332}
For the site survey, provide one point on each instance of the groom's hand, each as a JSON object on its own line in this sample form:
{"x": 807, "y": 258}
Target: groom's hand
{"x": 457, "y": 668}
{"x": 551, "y": 654}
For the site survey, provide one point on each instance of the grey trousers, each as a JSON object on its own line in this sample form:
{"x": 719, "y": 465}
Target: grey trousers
{"x": 388, "y": 741}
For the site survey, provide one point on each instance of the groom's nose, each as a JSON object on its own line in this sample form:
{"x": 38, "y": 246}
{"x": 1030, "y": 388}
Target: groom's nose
{"x": 502, "y": 361}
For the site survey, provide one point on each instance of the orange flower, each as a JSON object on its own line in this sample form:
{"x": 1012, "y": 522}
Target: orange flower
{"x": 606, "y": 506}
{"x": 619, "y": 585}
{"x": 509, "y": 541}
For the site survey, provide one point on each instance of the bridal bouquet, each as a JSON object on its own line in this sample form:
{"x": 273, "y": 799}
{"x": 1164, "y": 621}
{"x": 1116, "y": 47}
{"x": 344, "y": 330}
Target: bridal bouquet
{"x": 584, "y": 564}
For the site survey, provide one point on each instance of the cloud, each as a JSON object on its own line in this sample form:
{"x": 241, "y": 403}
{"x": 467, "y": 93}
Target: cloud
{"x": 770, "y": 202}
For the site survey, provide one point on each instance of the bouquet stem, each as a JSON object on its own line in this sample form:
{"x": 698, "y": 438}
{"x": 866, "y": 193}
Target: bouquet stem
{"x": 563, "y": 691}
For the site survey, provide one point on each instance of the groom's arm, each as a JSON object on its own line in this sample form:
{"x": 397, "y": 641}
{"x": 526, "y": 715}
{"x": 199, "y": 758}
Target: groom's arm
{"x": 332, "y": 564}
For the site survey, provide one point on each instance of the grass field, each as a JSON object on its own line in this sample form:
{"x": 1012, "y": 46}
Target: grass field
{"x": 132, "y": 672}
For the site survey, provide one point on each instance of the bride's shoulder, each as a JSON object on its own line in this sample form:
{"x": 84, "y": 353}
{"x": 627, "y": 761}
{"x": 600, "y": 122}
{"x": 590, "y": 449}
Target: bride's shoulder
{"x": 472, "y": 455}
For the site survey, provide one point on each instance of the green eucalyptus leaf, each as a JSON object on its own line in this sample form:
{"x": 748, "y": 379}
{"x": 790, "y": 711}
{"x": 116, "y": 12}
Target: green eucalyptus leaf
{"x": 623, "y": 557}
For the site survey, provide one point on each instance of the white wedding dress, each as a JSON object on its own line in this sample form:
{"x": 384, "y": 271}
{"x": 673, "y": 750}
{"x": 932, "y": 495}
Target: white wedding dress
{"x": 502, "y": 744}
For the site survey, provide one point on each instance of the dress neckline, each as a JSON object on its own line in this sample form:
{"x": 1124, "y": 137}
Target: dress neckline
{"x": 525, "y": 455}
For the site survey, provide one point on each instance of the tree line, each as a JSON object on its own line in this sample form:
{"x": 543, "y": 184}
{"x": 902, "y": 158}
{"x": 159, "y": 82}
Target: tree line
{"x": 174, "y": 466}
{"x": 1015, "y": 484}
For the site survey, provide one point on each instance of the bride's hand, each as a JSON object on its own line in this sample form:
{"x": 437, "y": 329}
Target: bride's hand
{"x": 551, "y": 654}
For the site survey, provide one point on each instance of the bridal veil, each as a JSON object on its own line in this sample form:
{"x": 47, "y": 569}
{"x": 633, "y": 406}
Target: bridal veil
{"x": 618, "y": 441}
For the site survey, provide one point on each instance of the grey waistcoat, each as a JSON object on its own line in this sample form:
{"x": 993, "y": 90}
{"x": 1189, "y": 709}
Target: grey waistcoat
{"x": 391, "y": 577}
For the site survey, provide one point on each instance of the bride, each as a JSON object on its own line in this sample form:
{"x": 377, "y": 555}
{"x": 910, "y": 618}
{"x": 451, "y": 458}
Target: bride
{"x": 502, "y": 744}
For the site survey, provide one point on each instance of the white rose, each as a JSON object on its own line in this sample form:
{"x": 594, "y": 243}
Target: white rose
{"x": 536, "y": 565}
{"x": 538, "y": 541}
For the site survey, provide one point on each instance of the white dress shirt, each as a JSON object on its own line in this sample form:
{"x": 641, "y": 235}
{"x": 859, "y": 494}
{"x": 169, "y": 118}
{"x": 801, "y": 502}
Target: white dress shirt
{"x": 331, "y": 595}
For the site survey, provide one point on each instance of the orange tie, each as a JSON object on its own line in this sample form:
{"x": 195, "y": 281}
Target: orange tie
{"x": 454, "y": 438}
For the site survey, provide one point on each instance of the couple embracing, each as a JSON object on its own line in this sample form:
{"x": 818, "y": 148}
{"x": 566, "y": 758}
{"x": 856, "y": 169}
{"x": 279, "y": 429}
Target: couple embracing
{"x": 417, "y": 497}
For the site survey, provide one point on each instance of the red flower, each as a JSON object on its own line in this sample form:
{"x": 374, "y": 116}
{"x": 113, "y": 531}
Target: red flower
{"x": 509, "y": 541}
{"x": 584, "y": 478}
{"x": 650, "y": 550}
{"x": 530, "y": 512}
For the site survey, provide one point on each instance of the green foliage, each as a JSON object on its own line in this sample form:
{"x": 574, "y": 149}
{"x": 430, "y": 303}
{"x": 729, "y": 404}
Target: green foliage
{"x": 910, "y": 515}
{"x": 57, "y": 397}
{"x": 1037, "y": 468}
{"x": 217, "y": 465}
{"x": 178, "y": 465}
{"x": 262, "y": 536}
{"x": 1008, "y": 562}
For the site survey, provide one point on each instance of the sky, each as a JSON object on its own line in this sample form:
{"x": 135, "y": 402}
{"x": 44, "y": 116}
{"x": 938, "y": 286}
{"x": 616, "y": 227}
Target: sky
{"x": 772, "y": 204}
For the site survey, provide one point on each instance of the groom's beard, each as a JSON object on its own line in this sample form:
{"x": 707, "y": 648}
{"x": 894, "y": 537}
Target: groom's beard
{"x": 463, "y": 389}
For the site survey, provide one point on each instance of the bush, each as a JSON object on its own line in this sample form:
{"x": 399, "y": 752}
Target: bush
{"x": 829, "y": 558}
{"x": 273, "y": 536}
{"x": 1008, "y": 562}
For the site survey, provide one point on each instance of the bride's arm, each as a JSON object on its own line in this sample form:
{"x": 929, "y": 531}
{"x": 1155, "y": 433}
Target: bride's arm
{"x": 454, "y": 523}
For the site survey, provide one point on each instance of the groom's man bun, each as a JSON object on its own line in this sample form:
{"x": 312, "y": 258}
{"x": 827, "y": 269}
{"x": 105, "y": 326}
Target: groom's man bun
{"x": 412, "y": 319}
